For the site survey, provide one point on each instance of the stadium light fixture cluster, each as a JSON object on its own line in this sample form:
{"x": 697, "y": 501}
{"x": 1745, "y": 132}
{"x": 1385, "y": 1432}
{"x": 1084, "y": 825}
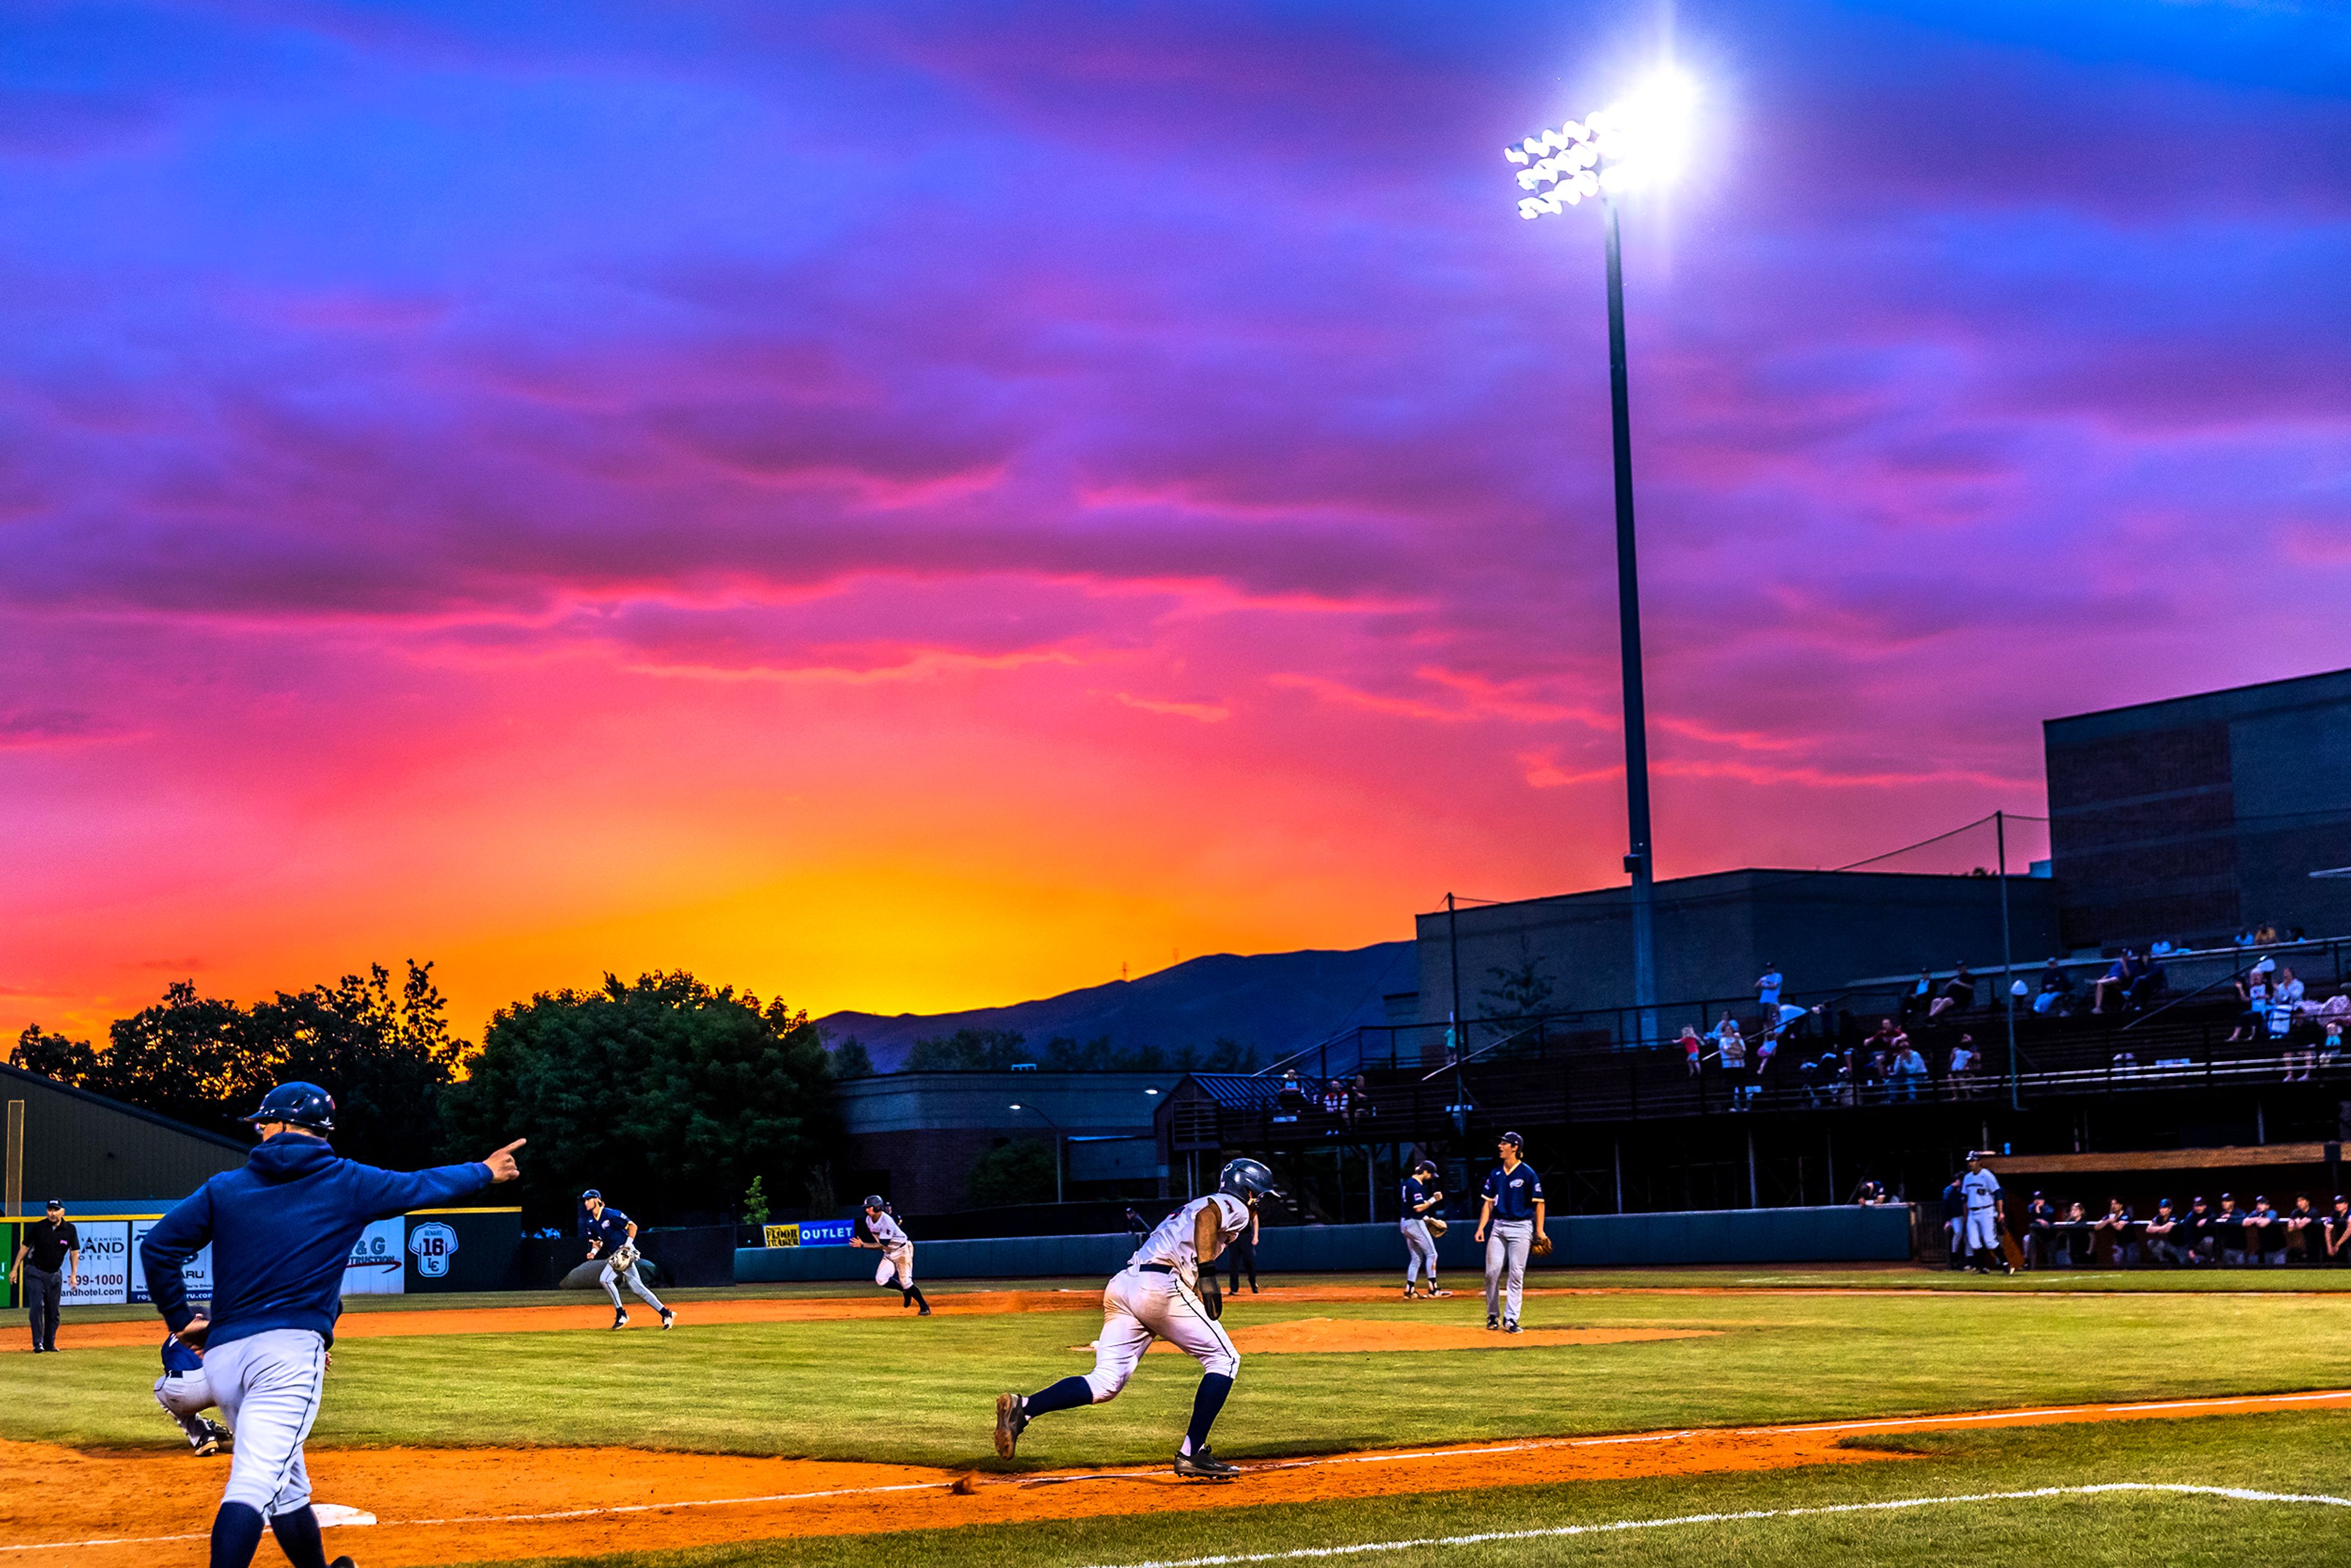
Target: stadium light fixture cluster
{"x": 1643, "y": 139}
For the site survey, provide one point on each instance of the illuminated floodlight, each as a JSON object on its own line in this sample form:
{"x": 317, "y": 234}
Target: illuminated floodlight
{"x": 1641, "y": 140}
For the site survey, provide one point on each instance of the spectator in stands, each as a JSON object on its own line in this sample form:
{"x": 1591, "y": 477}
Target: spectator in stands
{"x": 2164, "y": 1235}
{"x": 1828, "y": 1079}
{"x": 2161, "y": 947}
{"x": 1730, "y": 1049}
{"x": 1334, "y": 1100}
{"x": 2199, "y": 1232}
{"x": 1766, "y": 1049}
{"x": 2152, "y": 983}
{"x": 2330, "y": 1044}
{"x": 1958, "y": 992}
{"x": 1915, "y": 1005}
{"x": 1909, "y": 1070}
{"x": 1965, "y": 1059}
{"x": 2286, "y": 988}
{"x": 2338, "y": 1231}
{"x": 2301, "y": 1232}
{"x": 2115, "y": 1226}
{"x": 1767, "y": 986}
{"x": 2282, "y": 1019}
{"x": 2253, "y": 991}
{"x": 2264, "y": 1235}
{"x": 2266, "y": 934}
{"x": 1289, "y": 1097}
{"x": 2229, "y": 1231}
{"x": 2245, "y": 937}
{"x": 2117, "y": 982}
{"x": 1789, "y": 1022}
{"x": 1693, "y": 1048}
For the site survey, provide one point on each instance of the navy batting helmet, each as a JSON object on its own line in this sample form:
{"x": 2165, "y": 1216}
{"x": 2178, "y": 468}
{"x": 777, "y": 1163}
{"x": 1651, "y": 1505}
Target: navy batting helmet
{"x": 1246, "y": 1178}
{"x": 591, "y": 1192}
{"x": 874, "y": 1200}
{"x": 303, "y": 1105}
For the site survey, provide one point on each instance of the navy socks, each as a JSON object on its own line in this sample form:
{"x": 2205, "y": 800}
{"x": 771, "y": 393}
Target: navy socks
{"x": 237, "y": 1535}
{"x": 297, "y": 1537}
{"x": 1066, "y": 1395}
{"x": 1211, "y": 1399}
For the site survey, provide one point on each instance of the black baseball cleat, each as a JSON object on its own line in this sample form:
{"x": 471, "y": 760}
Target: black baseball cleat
{"x": 1493, "y": 1321}
{"x": 1011, "y": 1421}
{"x": 1513, "y": 1327}
{"x": 669, "y": 1319}
{"x": 1202, "y": 1464}
{"x": 1410, "y": 1294}
{"x": 621, "y": 1319}
{"x": 926, "y": 1311}
{"x": 206, "y": 1447}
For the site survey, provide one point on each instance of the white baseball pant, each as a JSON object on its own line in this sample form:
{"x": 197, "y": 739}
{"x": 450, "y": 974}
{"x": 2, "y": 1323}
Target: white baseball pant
{"x": 1507, "y": 1243}
{"x": 268, "y": 1385}
{"x": 185, "y": 1397}
{"x": 1139, "y": 1307}
{"x": 1419, "y": 1250}
{"x": 897, "y": 1266}
{"x": 609, "y": 1274}
{"x": 1983, "y": 1229}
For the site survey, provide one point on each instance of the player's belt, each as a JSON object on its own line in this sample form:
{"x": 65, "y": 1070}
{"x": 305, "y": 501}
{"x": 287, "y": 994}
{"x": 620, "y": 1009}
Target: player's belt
{"x": 1156, "y": 1268}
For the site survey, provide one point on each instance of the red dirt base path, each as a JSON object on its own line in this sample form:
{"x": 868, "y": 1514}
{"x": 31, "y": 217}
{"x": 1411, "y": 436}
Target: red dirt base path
{"x": 438, "y": 1505}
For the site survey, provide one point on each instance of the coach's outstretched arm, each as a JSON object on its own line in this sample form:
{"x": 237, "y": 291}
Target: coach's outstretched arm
{"x": 396, "y": 1192}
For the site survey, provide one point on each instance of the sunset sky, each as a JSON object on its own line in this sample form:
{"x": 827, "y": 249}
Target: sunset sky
{"x": 916, "y": 506}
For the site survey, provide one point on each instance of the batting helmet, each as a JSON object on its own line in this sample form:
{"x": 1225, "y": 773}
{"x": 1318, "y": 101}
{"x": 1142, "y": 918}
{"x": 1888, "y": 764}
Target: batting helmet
{"x": 1246, "y": 1178}
{"x": 591, "y": 1192}
{"x": 303, "y": 1105}
{"x": 874, "y": 1200}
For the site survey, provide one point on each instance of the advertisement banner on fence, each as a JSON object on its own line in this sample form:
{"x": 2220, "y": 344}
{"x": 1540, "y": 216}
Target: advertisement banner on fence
{"x": 197, "y": 1271}
{"x": 379, "y": 1262}
{"x": 105, "y": 1276}
{"x": 810, "y": 1233}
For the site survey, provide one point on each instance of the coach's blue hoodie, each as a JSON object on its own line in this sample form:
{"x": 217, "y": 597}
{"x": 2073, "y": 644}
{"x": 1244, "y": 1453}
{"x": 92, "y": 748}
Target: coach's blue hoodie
{"x": 282, "y": 1229}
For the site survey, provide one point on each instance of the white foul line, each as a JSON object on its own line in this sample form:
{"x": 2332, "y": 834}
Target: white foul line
{"x": 1555, "y": 1533}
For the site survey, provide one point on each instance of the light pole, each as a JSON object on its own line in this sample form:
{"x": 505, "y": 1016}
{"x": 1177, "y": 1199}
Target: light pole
{"x": 1056, "y": 1146}
{"x": 1641, "y": 141}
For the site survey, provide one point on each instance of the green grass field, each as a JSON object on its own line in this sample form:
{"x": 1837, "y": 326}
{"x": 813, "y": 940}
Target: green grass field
{"x": 1886, "y": 1343}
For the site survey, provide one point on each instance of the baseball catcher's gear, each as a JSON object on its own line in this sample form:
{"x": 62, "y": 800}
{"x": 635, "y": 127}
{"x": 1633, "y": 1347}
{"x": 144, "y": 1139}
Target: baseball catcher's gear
{"x": 1435, "y": 1226}
{"x": 623, "y": 1258}
{"x": 1212, "y": 1297}
{"x": 1246, "y": 1178}
{"x": 1541, "y": 1246}
{"x": 298, "y": 1105}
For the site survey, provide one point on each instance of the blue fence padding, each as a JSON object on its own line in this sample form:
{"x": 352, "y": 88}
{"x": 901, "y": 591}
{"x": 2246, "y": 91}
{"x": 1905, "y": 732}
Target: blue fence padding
{"x": 1843, "y": 1234}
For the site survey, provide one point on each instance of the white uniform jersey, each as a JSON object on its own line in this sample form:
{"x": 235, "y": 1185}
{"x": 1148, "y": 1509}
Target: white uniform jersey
{"x": 1172, "y": 1244}
{"x": 885, "y": 1230}
{"x": 1981, "y": 1189}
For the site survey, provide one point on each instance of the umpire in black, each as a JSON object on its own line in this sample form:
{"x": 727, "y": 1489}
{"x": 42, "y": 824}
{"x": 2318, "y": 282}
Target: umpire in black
{"x": 48, "y": 1259}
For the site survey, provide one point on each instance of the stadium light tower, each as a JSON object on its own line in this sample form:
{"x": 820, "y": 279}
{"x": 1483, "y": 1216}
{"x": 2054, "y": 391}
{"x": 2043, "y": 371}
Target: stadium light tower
{"x": 1638, "y": 142}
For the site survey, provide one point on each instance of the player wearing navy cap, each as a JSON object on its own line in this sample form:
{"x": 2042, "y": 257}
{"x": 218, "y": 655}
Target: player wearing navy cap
{"x": 613, "y": 1235}
{"x": 282, "y": 1227}
{"x": 1421, "y": 1228}
{"x": 878, "y": 1228}
{"x": 186, "y": 1393}
{"x": 1510, "y": 1224}
{"x": 1986, "y": 1211}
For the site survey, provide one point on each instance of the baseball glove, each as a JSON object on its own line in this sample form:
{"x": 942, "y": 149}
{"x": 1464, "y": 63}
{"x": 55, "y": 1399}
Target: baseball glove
{"x": 1435, "y": 1226}
{"x": 1212, "y": 1297}
{"x": 623, "y": 1258}
{"x": 1541, "y": 1247}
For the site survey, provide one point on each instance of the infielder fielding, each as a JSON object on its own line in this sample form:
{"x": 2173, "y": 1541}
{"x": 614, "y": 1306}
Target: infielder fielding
{"x": 614, "y": 1235}
{"x": 1421, "y": 1228}
{"x": 1510, "y": 1224}
{"x": 1168, "y": 1290}
{"x": 282, "y": 1227}
{"x": 186, "y": 1393}
{"x": 1986, "y": 1209}
{"x": 878, "y": 1228}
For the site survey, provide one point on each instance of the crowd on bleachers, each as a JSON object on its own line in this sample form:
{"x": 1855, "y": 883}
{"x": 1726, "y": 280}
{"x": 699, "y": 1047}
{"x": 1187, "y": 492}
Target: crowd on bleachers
{"x": 2200, "y": 1236}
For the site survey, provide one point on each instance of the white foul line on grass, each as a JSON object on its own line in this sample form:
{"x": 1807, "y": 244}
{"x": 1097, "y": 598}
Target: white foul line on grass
{"x": 1555, "y": 1533}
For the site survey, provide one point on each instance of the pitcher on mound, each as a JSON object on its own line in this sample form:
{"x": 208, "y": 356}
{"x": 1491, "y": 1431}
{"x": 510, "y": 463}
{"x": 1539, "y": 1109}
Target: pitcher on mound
{"x": 1168, "y": 1290}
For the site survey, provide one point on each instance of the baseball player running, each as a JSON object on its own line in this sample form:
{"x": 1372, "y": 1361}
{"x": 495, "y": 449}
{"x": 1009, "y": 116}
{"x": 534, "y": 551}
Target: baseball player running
{"x": 186, "y": 1393}
{"x": 1986, "y": 1208}
{"x": 1510, "y": 1224}
{"x": 1421, "y": 1199}
{"x": 614, "y": 1235}
{"x": 282, "y": 1227}
{"x": 878, "y": 1228}
{"x": 1168, "y": 1290}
